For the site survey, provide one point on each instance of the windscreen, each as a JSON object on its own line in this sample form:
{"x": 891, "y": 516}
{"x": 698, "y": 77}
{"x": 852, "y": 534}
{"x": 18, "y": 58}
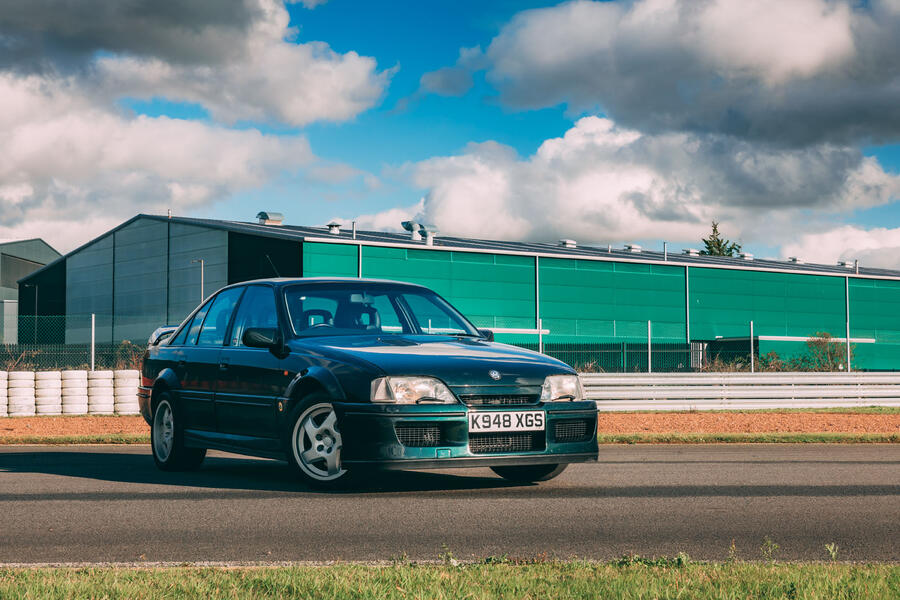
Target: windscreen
{"x": 353, "y": 309}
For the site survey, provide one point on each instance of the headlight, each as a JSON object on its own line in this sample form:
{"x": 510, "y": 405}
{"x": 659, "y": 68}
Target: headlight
{"x": 559, "y": 388}
{"x": 411, "y": 390}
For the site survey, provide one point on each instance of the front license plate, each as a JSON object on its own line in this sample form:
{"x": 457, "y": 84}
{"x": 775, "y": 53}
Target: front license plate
{"x": 523, "y": 420}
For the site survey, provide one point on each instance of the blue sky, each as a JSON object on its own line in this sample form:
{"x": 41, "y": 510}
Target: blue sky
{"x": 652, "y": 118}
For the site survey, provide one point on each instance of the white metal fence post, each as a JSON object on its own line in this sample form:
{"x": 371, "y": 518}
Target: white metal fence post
{"x": 649, "y": 348}
{"x": 751, "y": 348}
{"x": 93, "y": 338}
{"x": 541, "y": 336}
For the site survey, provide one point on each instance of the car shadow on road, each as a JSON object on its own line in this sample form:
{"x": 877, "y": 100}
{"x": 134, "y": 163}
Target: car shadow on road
{"x": 225, "y": 473}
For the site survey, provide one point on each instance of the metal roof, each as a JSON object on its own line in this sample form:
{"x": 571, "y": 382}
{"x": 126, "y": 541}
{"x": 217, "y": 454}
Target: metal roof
{"x": 380, "y": 238}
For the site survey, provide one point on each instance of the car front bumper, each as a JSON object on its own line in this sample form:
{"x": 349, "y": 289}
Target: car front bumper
{"x": 437, "y": 436}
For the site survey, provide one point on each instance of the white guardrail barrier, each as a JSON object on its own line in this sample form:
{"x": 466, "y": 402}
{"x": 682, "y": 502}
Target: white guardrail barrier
{"x": 29, "y": 393}
{"x": 740, "y": 391}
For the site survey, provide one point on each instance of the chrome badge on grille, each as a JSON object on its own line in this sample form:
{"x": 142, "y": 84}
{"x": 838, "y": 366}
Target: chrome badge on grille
{"x": 495, "y": 375}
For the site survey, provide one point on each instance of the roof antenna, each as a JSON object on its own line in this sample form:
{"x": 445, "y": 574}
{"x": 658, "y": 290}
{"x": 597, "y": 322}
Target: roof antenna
{"x": 277, "y": 274}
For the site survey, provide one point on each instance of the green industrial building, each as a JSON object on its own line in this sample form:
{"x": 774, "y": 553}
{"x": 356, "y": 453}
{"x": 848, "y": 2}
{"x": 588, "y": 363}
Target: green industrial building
{"x": 591, "y": 303}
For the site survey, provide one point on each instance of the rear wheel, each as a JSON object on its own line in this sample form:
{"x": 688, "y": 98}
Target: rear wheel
{"x": 529, "y": 473}
{"x": 167, "y": 439}
{"x": 316, "y": 444}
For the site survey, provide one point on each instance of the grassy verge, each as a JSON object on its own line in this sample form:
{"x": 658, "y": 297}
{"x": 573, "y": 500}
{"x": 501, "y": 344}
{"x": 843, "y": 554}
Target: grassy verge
{"x": 564, "y": 580}
{"x": 64, "y": 440}
{"x": 603, "y": 438}
{"x": 849, "y": 410}
{"x": 747, "y": 438}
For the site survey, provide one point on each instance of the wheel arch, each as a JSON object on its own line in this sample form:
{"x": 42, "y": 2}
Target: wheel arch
{"x": 166, "y": 381}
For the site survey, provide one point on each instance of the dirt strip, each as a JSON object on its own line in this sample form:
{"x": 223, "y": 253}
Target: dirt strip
{"x": 610, "y": 423}
{"x": 748, "y": 422}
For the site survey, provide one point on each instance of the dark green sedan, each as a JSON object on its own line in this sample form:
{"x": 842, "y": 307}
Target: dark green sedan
{"x": 345, "y": 376}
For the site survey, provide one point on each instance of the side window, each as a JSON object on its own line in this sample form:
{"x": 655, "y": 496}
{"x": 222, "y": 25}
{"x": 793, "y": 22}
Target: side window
{"x": 257, "y": 309}
{"x": 390, "y": 321}
{"x": 216, "y": 322}
{"x": 194, "y": 326}
{"x": 178, "y": 340}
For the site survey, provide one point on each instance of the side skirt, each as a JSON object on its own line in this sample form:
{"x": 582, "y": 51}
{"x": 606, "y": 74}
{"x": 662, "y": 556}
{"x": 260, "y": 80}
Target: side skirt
{"x": 238, "y": 444}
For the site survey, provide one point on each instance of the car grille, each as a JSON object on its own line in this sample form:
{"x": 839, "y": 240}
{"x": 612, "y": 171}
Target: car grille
{"x": 573, "y": 430}
{"x": 419, "y": 436}
{"x": 477, "y": 400}
{"x": 520, "y": 441}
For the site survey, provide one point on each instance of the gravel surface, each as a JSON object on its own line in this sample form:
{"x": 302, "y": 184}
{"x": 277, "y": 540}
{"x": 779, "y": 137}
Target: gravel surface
{"x": 610, "y": 423}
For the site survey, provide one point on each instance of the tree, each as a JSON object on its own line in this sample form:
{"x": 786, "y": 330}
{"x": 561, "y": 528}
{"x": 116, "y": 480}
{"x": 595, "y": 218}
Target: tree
{"x": 714, "y": 245}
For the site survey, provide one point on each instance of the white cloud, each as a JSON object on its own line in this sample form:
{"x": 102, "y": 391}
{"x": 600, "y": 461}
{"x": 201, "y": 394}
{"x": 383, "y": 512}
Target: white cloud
{"x": 792, "y": 72}
{"x": 603, "y": 183}
{"x": 71, "y": 168}
{"x": 388, "y": 220}
{"x": 240, "y": 59}
{"x": 876, "y": 247}
{"x": 272, "y": 79}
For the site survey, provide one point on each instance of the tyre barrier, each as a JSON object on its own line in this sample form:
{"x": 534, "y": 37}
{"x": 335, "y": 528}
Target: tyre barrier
{"x": 48, "y": 393}
{"x": 20, "y": 393}
{"x": 74, "y": 392}
{"x": 29, "y": 393}
{"x": 4, "y": 399}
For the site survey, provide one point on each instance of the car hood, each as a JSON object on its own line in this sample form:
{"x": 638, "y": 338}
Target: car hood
{"x": 456, "y": 361}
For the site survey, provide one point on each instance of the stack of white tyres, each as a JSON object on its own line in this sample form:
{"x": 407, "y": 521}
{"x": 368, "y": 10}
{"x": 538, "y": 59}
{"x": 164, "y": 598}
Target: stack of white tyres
{"x": 48, "y": 393}
{"x": 21, "y": 393}
{"x": 126, "y": 392}
{"x": 101, "y": 400}
{"x": 74, "y": 392}
{"x": 4, "y": 397}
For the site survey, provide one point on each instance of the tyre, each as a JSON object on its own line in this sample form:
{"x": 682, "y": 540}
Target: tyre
{"x": 167, "y": 439}
{"x": 315, "y": 444}
{"x": 529, "y": 473}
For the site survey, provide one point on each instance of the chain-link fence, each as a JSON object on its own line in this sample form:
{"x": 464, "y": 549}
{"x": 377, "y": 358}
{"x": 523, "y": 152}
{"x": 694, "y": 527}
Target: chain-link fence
{"x": 46, "y": 343}
{"x": 82, "y": 341}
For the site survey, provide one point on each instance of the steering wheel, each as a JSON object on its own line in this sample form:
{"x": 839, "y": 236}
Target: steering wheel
{"x": 316, "y": 312}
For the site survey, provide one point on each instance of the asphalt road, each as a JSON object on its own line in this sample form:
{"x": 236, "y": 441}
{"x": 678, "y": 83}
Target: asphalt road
{"x": 97, "y": 504}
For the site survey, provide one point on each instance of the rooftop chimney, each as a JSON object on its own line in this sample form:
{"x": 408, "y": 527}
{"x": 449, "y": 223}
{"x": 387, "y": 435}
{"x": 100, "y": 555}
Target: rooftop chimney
{"x": 568, "y": 243}
{"x": 334, "y": 228}
{"x": 269, "y": 218}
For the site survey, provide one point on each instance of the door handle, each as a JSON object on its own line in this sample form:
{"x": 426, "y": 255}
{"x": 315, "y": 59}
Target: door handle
{"x": 182, "y": 364}
{"x": 223, "y": 366}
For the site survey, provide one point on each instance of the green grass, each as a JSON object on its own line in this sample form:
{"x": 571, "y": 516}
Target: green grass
{"x": 603, "y": 438}
{"x": 65, "y": 440}
{"x": 856, "y": 410}
{"x": 748, "y": 438}
{"x": 621, "y": 579}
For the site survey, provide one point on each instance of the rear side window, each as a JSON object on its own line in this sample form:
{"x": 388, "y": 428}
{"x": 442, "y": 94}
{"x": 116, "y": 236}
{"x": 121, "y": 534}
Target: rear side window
{"x": 178, "y": 340}
{"x": 219, "y": 316}
{"x": 257, "y": 309}
{"x": 194, "y": 327}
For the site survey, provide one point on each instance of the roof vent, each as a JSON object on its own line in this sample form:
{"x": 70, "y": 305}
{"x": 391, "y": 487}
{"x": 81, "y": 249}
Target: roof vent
{"x": 690, "y": 251}
{"x": 845, "y": 263}
{"x": 334, "y": 228}
{"x": 746, "y": 256}
{"x": 414, "y": 230}
{"x": 428, "y": 232}
{"x": 270, "y": 218}
{"x": 795, "y": 260}
{"x": 568, "y": 243}
{"x": 632, "y": 248}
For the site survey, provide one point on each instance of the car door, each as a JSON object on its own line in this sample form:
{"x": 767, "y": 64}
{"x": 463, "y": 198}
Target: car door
{"x": 201, "y": 366}
{"x": 250, "y": 379}
{"x": 196, "y": 403}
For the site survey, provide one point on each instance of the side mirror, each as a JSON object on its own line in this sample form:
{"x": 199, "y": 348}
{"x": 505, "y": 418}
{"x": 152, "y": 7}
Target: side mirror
{"x": 487, "y": 334}
{"x": 262, "y": 337}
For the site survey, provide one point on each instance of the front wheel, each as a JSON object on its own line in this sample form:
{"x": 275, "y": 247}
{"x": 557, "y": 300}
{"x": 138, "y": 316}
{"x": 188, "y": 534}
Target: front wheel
{"x": 167, "y": 440}
{"x": 316, "y": 445}
{"x": 529, "y": 473}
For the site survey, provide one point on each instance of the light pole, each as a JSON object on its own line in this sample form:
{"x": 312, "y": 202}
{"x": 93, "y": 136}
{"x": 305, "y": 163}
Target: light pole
{"x": 200, "y": 260}
{"x": 35, "y": 286}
